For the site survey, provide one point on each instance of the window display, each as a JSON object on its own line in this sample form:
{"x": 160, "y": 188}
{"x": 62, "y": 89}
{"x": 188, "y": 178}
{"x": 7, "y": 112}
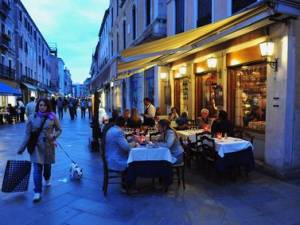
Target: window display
{"x": 250, "y": 96}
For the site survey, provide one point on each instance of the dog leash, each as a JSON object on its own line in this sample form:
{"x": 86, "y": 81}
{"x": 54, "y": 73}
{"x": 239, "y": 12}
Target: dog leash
{"x": 65, "y": 152}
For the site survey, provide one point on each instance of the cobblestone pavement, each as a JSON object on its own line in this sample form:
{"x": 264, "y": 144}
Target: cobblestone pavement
{"x": 261, "y": 200}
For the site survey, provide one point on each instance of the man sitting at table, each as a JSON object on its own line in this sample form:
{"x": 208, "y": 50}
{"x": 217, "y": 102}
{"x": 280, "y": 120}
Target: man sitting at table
{"x": 222, "y": 125}
{"x": 203, "y": 121}
{"x": 170, "y": 140}
{"x": 116, "y": 146}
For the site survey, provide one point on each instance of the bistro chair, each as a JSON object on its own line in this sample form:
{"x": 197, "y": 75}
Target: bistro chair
{"x": 178, "y": 168}
{"x": 108, "y": 174}
{"x": 210, "y": 154}
{"x": 154, "y": 136}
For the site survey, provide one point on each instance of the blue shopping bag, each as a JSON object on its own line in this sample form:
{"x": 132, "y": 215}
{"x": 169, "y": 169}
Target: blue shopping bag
{"x": 16, "y": 176}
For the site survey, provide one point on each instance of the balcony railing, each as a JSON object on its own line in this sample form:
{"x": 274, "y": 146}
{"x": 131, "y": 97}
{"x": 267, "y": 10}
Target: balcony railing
{"x": 4, "y": 42}
{"x": 4, "y": 9}
{"x": 7, "y": 72}
{"x": 27, "y": 79}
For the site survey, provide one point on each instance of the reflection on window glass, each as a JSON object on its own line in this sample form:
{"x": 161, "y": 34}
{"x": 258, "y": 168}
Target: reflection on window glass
{"x": 251, "y": 89}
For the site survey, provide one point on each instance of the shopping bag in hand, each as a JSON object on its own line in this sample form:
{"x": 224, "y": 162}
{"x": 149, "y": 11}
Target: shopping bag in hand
{"x": 16, "y": 176}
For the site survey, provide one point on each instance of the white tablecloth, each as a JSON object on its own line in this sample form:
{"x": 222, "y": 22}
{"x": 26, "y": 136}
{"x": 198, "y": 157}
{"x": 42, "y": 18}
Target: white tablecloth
{"x": 153, "y": 154}
{"x": 230, "y": 145}
{"x": 191, "y": 134}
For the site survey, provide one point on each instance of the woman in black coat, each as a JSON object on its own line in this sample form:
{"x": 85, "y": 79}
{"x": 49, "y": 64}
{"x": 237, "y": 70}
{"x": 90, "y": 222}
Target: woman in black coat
{"x": 222, "y": 125}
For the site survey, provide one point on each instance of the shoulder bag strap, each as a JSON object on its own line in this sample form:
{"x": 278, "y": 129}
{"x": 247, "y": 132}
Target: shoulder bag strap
{"x": 41, "y": 127}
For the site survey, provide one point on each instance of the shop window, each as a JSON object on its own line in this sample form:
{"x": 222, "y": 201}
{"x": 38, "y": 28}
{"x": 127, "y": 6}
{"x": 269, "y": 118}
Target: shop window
{"x": 179, "y": 7}
{"x": 238, "y": 5}
{"x": 248, "y": 96}
{"x": 204, "y": 12}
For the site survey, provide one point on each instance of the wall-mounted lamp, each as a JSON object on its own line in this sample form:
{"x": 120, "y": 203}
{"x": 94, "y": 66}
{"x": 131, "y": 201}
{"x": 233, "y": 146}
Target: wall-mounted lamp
{"x": 212, "y": 63}
{"x": 182, "y": 70}
{"x": 267, "y": 51}
{"x": 111, "y": 84}
{"x": 177, "y": 75}
{"x": 163, "y": 76}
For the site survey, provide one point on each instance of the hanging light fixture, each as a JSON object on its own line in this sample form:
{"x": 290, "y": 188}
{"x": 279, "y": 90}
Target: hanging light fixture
{"x": 163, "y": 76}
{"x": 267, "y": 51}
{"x": 182, "y": 70}
{"x": 212, "y": 63}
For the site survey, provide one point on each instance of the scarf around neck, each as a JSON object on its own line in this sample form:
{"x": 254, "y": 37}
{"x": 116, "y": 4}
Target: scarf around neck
{"x": 48, "y": 115}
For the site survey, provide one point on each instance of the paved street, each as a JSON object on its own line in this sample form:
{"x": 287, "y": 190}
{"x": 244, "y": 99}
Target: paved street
{"x": 260, "y": 201}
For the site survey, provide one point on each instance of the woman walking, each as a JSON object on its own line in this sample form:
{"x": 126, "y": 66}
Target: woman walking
{"x": 44, "y": 153}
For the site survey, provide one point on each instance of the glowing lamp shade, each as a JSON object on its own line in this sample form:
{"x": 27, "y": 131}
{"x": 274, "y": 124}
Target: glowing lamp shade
{"x": 182, "y": 70}
{"x": 163, "y": 76}
{"x": 212, "y": 63}
{"x": 266, "y": 48}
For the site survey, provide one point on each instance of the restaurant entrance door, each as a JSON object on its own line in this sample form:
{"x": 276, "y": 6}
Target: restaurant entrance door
{"x": 208, "y": 93}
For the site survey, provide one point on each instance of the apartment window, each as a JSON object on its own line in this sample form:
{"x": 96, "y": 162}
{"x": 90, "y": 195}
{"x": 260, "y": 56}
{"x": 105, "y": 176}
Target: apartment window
{"x": 26, "y": 47}
{"x": 9, "y": 63}
{"x": 117, "y": 7}
{"x": 112, "y": 16}
{"x": 133, "y": 22}
{"x": 148, "y": 12}
{"x": 21, "y": 42}
{"x": 118, "y": 47}
{"x": 124, "y": 34}
{"x": 20, "y": 16}
{"x": 204, "y": 12}
{"x": 238, "y": 5}
{"x": 40, "y": 60}
{"x": 34, "y": 35}
{"x": 179, "y": 7}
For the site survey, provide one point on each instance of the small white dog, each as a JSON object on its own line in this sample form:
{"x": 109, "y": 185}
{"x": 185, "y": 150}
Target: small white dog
{"x": 76, "y": 172}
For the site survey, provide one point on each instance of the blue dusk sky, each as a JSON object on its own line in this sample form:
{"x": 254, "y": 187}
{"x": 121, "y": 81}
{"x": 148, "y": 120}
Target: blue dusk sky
{"x": 73, "y": 25}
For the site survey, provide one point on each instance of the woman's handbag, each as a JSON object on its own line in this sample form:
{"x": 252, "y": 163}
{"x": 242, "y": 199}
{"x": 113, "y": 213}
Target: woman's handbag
{"x": 34, "y": 137}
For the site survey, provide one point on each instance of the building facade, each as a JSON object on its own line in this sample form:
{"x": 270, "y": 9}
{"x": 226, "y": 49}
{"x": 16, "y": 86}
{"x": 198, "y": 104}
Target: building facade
{"x": 121, "y": 28}
{"x": 28, "y": 65}
{"x": 236, "y": 55}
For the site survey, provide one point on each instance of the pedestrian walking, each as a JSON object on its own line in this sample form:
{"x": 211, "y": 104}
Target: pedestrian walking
{"x": 83, "y": 106}
{"x": 60, "y": 107}
{"x": 53, "y": 104}
{"x": 30, "y": 107}
{"x": 43, "y": 155}
{"x": 90, "y": 108}
{"x": 21, "y": 109}
{"x": 71, "y": 108}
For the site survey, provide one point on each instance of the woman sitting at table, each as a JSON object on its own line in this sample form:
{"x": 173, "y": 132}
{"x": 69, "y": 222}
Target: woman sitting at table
{"x": 182, "y": 121}
{"x": 170, "y": 140}
{"x": 173, "y": 115}
{"x": 222, "y": 125}
{"x": 116, "y": 146}
{"x": 135, "y": 120}
{"x": 203, "y": 121}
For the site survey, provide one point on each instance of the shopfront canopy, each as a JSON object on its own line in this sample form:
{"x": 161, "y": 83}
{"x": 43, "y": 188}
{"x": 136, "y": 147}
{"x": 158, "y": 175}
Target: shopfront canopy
{"x": 156, "y": 52}
{"x": 6, "y": 90}
{"x": 30, "y": 86}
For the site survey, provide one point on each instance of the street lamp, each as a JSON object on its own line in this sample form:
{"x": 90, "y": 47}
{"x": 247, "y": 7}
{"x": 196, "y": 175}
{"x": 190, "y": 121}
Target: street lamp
{"x": 267, "y": 51}
{"x": 182, "y": 70}
{"x": 163, "y": 76}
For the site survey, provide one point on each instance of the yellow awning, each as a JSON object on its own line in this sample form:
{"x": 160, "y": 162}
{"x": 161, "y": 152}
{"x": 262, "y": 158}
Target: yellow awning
{"x": 146, "y": 54}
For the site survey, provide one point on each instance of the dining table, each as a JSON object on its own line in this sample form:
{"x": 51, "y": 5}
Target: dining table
{"x": 150, "y": 161}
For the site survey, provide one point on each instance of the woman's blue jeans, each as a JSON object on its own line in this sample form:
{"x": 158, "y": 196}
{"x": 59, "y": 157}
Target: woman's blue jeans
{"x": 40, "y": 170}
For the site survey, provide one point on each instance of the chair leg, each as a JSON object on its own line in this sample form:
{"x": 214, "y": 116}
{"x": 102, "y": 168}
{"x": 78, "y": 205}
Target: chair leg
{"x": 182, "y": 177}
{"x": 105, "y": 185}
{"x": 178, "y": 176}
